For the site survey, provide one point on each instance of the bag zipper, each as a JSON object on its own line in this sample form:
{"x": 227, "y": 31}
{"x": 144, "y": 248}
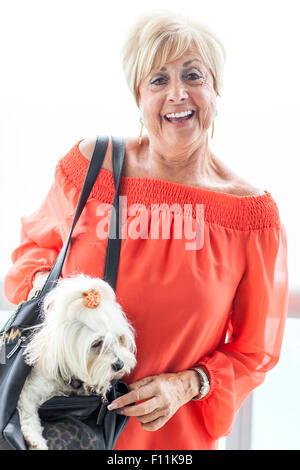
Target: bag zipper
{"x": 16, "y": 347}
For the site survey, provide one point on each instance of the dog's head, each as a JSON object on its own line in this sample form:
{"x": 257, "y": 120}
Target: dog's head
{"x": 84, "y": 334}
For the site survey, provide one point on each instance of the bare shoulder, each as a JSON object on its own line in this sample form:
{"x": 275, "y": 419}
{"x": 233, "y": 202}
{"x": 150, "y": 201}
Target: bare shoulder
{"x": 86, "y": 148}
{"x": 237, "y": 185}
{"x": 243, "y": 188}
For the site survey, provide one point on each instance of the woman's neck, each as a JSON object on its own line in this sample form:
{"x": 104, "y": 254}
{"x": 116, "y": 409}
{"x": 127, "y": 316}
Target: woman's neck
{"x": 194, "y": 167}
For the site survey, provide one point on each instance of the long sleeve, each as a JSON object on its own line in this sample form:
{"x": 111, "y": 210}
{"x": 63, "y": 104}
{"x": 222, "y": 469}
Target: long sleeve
{"x": 255, "y": 331}
{"x": 41, "y": 239}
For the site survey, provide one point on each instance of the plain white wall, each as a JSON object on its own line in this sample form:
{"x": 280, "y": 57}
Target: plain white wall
{"x": 61, "y": 80}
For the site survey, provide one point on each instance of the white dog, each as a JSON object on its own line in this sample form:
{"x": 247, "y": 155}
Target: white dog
{"x": 83, "y": 343}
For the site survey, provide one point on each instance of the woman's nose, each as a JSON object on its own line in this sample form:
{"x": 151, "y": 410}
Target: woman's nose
{"x": 177, "y": 91}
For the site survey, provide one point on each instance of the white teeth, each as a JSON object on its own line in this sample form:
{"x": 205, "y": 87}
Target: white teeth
{"x": 178, "y": 115}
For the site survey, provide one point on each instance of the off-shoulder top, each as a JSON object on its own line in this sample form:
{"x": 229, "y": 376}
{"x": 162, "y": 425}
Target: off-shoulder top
{"x": 202, "y": 278}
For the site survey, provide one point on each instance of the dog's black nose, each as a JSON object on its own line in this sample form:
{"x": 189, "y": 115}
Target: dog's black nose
{"x": 118, "y": 365}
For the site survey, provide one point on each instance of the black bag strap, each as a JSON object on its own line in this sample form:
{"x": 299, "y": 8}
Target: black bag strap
{"x": 95, "y": 165}
{"x": 114, "y": 238}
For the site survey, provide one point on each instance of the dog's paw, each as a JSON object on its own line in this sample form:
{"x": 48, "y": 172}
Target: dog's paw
{"x": 40, "y": 444}
{"x": 38, "y": 447}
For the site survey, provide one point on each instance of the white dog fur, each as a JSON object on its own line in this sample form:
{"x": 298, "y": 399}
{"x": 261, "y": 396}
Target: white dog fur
{"x": 74, "y": 341}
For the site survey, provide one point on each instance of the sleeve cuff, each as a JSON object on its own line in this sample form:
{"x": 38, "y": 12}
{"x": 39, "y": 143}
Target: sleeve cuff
{"x": 32, "y": 275}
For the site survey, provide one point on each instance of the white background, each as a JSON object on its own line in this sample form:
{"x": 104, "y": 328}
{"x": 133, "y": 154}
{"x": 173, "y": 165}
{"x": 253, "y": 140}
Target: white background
{"x": 61, "y": 80}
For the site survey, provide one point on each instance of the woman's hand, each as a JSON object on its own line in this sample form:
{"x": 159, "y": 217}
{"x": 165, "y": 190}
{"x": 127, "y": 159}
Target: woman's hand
{"x": 38, "y": 282}
{"x": 164, "y": 394}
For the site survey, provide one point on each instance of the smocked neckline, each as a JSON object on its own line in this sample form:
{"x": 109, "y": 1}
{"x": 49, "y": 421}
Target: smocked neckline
{"x": 241, "y": 212}
{"x": 159, "y": 181}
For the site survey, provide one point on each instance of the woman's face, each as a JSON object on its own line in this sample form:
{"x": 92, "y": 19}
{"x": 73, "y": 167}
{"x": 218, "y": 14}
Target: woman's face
{"x": 180, "y": 86}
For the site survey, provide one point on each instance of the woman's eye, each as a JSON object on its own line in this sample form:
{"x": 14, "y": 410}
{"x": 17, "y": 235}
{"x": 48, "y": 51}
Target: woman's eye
{"x": 156, "y": 80}
{"x": 196, "y": 76}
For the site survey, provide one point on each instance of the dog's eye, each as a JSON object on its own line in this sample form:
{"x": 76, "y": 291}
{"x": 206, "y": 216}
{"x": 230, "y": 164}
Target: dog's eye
{"x": 122, "y": 340}
{"x": 97, "y": 344}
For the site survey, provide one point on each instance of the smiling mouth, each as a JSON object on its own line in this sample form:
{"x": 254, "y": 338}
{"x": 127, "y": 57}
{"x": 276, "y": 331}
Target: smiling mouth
{"x": 178, "y": 120}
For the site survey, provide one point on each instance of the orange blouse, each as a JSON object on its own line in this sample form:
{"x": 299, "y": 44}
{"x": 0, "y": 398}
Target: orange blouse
{"x": 218, "y": 299}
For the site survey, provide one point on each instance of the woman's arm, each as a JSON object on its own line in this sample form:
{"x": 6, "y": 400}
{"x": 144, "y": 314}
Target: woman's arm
{"x": 255, "y": 335}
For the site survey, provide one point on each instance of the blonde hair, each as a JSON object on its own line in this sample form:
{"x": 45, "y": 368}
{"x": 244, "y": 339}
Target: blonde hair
{"x": 161, "y": 36}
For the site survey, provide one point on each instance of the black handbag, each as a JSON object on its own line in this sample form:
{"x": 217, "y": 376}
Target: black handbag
{"x": 75, "y": 422}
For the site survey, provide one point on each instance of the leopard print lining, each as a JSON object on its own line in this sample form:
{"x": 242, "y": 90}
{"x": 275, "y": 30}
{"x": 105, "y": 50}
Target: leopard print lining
{"x": 12, "y": 335}
{"x": 72, "y": 435}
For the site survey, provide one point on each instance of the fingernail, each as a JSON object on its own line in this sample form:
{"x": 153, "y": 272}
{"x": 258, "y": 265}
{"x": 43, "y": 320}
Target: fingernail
{"x": 112, "y": 406}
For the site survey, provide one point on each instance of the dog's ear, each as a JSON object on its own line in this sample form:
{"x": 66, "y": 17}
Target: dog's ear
{"x": 128, "y": 340}
{"x": 42, "y": 353}
{"x": 36, "y": 348}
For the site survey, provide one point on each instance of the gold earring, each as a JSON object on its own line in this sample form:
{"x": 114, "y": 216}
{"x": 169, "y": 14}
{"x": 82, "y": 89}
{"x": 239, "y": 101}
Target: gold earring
{"x": 212, "y": 129}
{"x": 141, "y": 131}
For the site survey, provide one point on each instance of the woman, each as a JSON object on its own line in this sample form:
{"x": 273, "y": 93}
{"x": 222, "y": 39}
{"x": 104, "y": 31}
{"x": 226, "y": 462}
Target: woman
{"x": 209, "y": 316}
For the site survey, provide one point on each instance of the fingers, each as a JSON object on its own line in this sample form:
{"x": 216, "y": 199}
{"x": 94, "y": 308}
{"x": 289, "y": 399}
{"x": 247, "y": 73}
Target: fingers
{"x": 138, "y": 391}
{"x": 141, "y": 409}
{"x": 140, "y": 383}
{"x": 148, "y": 418}
{"x": 160, "y": 396}
{"x": 155, "y": 425}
